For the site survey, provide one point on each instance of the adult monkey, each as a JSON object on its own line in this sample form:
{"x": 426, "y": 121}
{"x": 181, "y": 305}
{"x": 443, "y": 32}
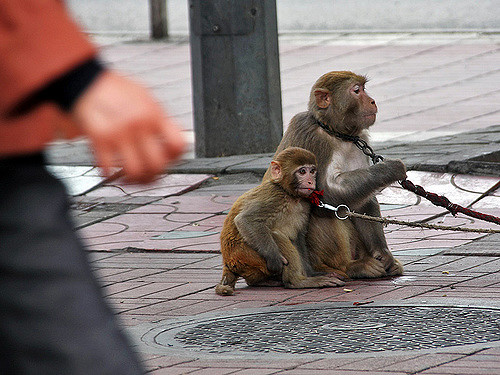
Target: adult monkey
{"x": 263, "y": 236}
{"x": 339, "y": 104}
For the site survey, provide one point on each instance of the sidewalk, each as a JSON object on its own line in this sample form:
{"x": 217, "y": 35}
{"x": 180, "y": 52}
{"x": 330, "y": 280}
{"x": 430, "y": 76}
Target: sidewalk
{"x": 156, "y": 248}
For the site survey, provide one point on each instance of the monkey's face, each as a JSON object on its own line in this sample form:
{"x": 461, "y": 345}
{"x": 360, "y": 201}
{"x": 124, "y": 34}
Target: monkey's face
{"x": 362, "y": 107}
{"x": 305, "y": 180}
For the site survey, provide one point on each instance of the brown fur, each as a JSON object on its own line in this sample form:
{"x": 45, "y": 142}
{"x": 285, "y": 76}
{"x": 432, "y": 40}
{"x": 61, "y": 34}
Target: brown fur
{"x": 263, "y": 235}
{"x": 357, "y": 248}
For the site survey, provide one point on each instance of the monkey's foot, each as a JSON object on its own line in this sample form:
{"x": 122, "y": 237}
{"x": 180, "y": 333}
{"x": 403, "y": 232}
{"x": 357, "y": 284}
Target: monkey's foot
{"x": 224, "y": 290}
{"x": 332, "y": 272}
{"x": 334, "y": 279}
{"x": 393, "y": 267}
{"x": 396, "y": 269}
{"x": 338, "y": 274}
{"x": 315, "y": 282}
{"x": 366, "y": 268}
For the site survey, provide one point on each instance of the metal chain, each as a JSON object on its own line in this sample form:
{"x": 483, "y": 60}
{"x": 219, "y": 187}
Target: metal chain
{"x": 367, "y": 150}
{"x": 358, "y": 142}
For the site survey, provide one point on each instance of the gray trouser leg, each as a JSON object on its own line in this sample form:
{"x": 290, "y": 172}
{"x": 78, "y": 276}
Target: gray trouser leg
{"x": 53, "y": 319}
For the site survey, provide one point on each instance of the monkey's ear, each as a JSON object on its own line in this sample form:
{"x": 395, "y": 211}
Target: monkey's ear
{"x": 323, "y": 98}
{"x": 275, "y": 170}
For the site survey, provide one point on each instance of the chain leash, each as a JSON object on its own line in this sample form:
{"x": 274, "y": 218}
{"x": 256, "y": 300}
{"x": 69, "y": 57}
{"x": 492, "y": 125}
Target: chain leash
{"x": 343, "y": 212}
{"x": 437, "y": 200}
{"x": 358, "y": 142}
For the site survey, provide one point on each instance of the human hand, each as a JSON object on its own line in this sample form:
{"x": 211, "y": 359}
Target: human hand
{"x": 127, "y": 128}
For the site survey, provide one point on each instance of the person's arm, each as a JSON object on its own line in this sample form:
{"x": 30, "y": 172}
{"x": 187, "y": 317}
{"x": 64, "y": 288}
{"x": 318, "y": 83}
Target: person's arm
{"x": 44, "y": 57}
{"x": 64, "y": 90}
{"x": 39, "y": 43}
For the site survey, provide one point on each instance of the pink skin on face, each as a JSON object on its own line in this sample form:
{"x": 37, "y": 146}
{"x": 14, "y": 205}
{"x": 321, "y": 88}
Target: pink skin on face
{"x": 306, "y": 180}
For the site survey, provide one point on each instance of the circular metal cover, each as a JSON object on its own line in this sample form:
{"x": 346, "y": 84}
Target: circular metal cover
{"x": 335, "y": 330}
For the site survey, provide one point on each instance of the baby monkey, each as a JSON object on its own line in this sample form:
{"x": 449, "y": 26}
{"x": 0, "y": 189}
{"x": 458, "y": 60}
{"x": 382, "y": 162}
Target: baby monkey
{"x": 263, "y": 236}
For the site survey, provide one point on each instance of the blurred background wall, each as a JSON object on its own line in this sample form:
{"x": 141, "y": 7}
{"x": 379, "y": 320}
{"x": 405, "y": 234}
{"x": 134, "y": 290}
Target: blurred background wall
{"x": 132, "y": 16}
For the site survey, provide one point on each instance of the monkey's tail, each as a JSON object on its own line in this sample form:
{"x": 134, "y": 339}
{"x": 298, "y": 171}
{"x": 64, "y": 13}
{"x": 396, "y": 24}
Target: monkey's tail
{"x": 226, "y": 285}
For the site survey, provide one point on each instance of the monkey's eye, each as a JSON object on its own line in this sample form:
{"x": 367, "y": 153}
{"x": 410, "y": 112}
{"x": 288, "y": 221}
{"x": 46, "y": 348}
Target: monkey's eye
{"x": 313, "y": 171}
{"x": 302, "y": 171}
{"x": 356, "y": 89}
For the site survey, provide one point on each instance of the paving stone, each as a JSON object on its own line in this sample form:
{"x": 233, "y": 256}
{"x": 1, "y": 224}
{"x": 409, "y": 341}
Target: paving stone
{"x": 235, "y": 190}
{"x": 242, "y": 363}
{"x": 256, "y": 165}
{"x": 486, "y": 246}
{"x": 121, "y": 305}
{"x": 330, "y": 363}
{"x": 126, "y": 274}
{"x": 211, "y": 165}
{"x": 116, "y": 288}
{"x": 481, "y": 281}
{"x": 469, "y": 293}
{"x": 159, "y": 362}
{"x": 341, "y": 372}
{"x": 161, "y": 308}
{"x": 253, "y": 371}
{"x": 197, "y": 204}
{"x": 174, "y": 371}
{"x": 423, "y": 362}
{"x": 405, "y": 363}
{"x": 455, "y": 370}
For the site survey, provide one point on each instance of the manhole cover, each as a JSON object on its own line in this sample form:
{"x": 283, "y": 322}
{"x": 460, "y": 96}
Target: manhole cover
{"x": 336, "y": 330}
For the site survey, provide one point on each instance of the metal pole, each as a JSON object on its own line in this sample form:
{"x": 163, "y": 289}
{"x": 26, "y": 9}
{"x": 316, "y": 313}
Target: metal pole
{"x": 236, "y": 78}
{"x": 158, "y": 16}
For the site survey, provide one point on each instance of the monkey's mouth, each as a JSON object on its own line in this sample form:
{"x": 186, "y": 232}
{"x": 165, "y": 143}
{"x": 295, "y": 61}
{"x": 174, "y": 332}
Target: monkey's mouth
{"x": 305, "y": 191}
{"x": 370, "y": 119}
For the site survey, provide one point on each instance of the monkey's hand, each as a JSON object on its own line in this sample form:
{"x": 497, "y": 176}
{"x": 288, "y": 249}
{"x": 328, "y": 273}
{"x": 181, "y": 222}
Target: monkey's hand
{"x": 285, "y": 261}
{"x": 395, "y": 169}
{"x": 275, "y": 263}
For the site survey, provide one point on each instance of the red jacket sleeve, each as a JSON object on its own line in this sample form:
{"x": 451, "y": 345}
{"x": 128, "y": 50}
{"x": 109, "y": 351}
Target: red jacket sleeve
{"x": 38, "y": 43}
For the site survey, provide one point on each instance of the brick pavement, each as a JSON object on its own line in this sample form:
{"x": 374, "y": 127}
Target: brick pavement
{"x": 156, "y": 252}
{"x": 149, "y": 279}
